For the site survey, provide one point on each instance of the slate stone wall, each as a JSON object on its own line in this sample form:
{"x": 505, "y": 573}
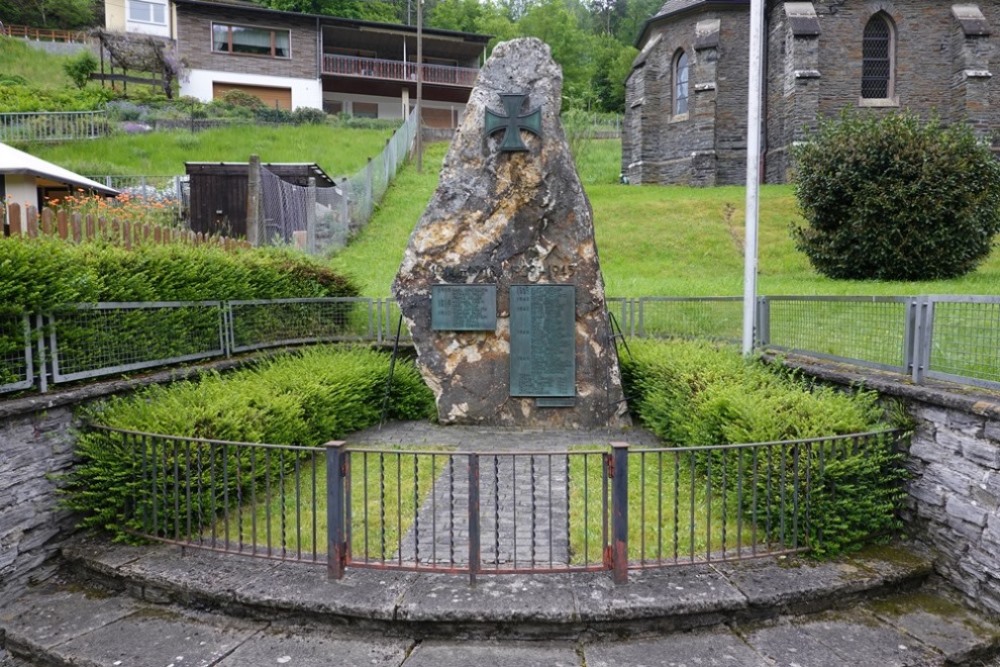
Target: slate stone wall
{"x": 953, "y": 503}
{"x": 940, "y": 68}
{"x": 35, "y": 448}
{"x": 955, "y": 496}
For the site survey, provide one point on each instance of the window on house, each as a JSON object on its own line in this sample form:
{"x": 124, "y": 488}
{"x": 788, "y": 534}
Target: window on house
{"x": 680, "y": 84}
{"x": 364, "y": 109}
{"x": 250, "y": 41}
{"x": 147, "y": 12}
{"x": 877, "y": 59}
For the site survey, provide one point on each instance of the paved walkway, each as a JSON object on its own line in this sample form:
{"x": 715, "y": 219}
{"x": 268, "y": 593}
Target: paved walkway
{"x": 525, "y": 486}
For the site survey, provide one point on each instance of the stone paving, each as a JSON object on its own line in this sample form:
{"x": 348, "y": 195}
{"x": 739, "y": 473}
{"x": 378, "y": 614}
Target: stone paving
{"x": 526, "y": 486}
{"x": 120, "y": 606}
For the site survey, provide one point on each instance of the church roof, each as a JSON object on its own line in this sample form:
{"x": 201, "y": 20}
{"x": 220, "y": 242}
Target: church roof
{"x": 671, "y": 7}
{"x": 676, "y": 6}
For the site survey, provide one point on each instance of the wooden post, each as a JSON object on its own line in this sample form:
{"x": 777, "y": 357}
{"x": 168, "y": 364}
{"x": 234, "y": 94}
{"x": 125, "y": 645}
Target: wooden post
{"x": 14, "y": 219}
{"x": 48, "y": 220}
{"x": 254, "y": 202}
{"x": 311, "y": 217}
{"x": 62, "y": 224}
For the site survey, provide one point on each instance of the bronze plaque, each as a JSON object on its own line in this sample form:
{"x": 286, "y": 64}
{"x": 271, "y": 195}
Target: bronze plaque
{"x": 464, "y": 307}
{"x": 543, "y": 340}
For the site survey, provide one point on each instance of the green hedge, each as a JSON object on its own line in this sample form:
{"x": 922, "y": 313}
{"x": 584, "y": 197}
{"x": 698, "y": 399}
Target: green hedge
{"x": 309, "y": 398}
{"x": 38, "y": 275}
{"x": 697, "y": 394}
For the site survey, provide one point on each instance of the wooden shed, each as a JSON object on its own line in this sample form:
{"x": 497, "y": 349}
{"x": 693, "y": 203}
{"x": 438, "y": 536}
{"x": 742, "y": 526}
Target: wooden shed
{"x": 218, "y": 192}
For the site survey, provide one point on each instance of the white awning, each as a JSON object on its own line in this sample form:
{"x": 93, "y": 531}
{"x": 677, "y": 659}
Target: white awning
{"x": 13, "y": 161}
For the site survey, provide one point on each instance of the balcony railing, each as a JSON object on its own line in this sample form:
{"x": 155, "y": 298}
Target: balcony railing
{"x": 397, "y": 70}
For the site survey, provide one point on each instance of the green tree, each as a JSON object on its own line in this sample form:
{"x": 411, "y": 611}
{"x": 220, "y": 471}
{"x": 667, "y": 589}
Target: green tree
{"x": 80, "y": 68}
{"x": 64, "y": 14}
{"x": 893, "y": 198}
{"x": 364, "y": 10}
{"x": 557, "y": 23}
{"x": 613, "y": 62}
{"x": 461, "y": 15}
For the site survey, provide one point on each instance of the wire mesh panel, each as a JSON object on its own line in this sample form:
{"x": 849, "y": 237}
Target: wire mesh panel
{"x": 284, "y": 207}
{"x": 333, "y": 223}
{"x": 391, "y": 322}
{"x": 870, "y": 331}
{"x": 964, "y": 340}
{"x": 716, "y": 318}
{"x": 269, "y": 323}
{"x": 261, "y": 500}
{"x": 16, "y": 361}
{"x": 95, "y": 340}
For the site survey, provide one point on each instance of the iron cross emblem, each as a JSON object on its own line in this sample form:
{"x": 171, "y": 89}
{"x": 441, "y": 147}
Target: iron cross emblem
{"x": 512, "y": 123}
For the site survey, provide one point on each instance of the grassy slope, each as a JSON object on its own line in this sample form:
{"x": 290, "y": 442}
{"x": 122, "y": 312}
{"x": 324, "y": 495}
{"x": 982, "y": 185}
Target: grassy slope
{"x": 653, "y": 241}
{"x": 338, "y": 151}
{"x": 38, "y": 67}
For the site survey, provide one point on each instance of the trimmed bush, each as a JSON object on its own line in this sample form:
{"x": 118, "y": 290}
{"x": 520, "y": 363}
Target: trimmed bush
{"x": 38, "y": 275}
{"x": 80, "y": 67}
{"x": 892, "y": 198}
{"x": 320, "y": 394}
{"x": 696, "y": 394}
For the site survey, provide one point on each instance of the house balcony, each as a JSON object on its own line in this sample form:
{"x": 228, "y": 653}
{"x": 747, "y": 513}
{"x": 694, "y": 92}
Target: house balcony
{"x": 397, "y": 70}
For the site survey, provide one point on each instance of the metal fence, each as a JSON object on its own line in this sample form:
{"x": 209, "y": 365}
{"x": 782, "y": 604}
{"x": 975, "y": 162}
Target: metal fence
{"x": 609, "y": 509}
{"x": 40, "y": 126}
{"x": 95, "y": 340}
{"x": 254, "y": 499}
{"x": 16, "y": 360}
{"x": 108, "y": 338}
{"x": 953, "y": 338}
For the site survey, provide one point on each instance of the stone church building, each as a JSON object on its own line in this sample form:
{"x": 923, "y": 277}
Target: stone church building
{"x": 686, "y": 97}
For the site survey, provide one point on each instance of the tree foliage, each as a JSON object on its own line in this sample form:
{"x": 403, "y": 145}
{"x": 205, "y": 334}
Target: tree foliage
{"x": 590, "y": 39}
{"x": 61, "y": 14}
{"x": 363, "y": 10}
{"x": 893, "y": 198}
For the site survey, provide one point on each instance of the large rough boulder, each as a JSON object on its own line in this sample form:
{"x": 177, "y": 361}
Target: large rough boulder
{"x": 506, "y": 218}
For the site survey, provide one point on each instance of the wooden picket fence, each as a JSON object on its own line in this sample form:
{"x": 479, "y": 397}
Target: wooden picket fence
{"x": 77, "y": 228}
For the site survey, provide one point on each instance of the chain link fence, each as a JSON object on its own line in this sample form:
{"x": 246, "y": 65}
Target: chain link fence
{"x": 326, "y": 217}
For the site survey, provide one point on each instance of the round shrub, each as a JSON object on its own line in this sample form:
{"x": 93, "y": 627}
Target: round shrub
{"x": 308, "y": 116}
{"x": 893, "y": 198}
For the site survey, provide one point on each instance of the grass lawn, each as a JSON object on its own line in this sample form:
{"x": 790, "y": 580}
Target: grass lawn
{"x": 672, "y": 514}
{"x": 383, "y": 500}
{"x": 41, "y": 69}
{"x": 338, "y": 151}
{"x": 653, "y": 240}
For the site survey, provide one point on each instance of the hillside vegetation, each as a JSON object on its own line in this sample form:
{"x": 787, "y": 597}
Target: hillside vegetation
{"x": 338, "y": 151}
{"x": 653, "y": 240}
{"x": 41, "y": 69}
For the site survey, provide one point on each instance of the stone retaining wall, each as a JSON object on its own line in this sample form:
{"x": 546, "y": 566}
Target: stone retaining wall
{"x": 954, "y": 456}
{"x": 35, "y": 448}
{"x": 955, "y": 496}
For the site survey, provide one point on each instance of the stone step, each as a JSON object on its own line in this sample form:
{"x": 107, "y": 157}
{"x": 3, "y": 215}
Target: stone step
{"x": 63, "y": 623}
{"x": 552, "y": 606}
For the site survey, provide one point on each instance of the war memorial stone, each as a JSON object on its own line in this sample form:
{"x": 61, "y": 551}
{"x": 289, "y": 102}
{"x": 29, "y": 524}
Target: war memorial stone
{"x": 500, "y": 284}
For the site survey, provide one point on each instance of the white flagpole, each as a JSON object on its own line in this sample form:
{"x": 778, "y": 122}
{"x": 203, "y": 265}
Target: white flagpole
{"x": 753, "y": 172}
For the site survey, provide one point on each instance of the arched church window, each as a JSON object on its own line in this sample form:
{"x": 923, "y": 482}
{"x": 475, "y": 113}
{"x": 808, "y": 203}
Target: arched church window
{"x": 680, "y": 83}
{"x": 878, "y": 58}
